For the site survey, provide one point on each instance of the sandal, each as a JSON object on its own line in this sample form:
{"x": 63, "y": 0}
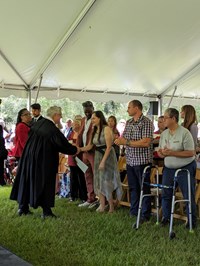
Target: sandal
{"x": 99, "y": 209}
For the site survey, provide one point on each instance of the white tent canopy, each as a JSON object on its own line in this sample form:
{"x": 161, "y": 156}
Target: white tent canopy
{"x": 100, "y": 49}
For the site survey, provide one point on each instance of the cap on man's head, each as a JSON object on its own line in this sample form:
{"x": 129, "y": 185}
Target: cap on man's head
{"x": 36, "y": 106}
{"x": 87, "y": 104}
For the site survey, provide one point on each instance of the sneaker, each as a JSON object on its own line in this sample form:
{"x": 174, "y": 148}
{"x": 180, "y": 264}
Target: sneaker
{"x": 99, "y": 209}
{"x": 164, "y": 222}
{"x": 72, "y": 199}
{"x": 84, "y": 205}
{"x": 94, "y": 204}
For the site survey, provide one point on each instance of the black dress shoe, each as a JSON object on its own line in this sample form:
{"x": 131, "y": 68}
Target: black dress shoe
{"x": 144, "y": 220}
{"x": 164, "y": 222}
{"x": 47, "y": 215}
{"x": 22, "y": 212}
{"x": 133, "y": 215}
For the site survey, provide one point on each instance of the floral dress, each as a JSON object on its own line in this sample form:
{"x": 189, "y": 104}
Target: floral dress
{"x": 108, "y": 180}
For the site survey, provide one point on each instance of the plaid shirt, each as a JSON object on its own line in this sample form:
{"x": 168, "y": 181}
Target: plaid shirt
{"x": 137, "y": 130}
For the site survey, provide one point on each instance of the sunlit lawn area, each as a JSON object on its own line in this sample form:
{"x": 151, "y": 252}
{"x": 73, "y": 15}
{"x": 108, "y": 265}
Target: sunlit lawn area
{"x": 84, "y": 237}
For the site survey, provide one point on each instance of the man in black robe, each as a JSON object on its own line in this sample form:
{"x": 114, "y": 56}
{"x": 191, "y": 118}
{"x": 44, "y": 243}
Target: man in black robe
{"x": 3, "y": 156}
{"x": 36, "y": 175}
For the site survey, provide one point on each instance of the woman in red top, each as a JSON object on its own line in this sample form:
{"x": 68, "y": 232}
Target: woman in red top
{"x": 21, "y": 132}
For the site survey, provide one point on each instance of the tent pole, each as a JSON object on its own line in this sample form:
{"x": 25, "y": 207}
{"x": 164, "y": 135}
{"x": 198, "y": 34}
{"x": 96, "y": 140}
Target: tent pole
{"x": 28, "y": 99}
{"x": 38, "y": 89}
{"x": 175, "y": 88}
{"x": 13, "y": 68}
{"x": 160, "y": 100}
{"x": 183, "y": 77}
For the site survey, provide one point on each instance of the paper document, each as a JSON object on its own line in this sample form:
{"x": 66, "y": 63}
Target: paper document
{"x": 81, "y": 164}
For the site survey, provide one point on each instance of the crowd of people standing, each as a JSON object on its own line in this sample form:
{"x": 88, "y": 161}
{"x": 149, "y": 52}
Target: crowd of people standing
{"x": 96, "y": 142}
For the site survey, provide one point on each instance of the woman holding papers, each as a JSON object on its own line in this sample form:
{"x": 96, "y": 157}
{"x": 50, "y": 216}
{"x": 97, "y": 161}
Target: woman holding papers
{"x": 77, "y": 178}
{"x": 106, "y": 174}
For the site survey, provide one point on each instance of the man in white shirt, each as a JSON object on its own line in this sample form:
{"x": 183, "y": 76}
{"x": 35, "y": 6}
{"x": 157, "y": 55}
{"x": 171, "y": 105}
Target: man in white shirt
{"x": 176, "y": 146}
{"x": 83, "y": 139}
{"x": 68, "y": 128}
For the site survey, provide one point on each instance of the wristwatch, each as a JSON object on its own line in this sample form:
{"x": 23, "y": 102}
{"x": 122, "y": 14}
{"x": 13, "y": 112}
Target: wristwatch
{"x": 128, "y": 142}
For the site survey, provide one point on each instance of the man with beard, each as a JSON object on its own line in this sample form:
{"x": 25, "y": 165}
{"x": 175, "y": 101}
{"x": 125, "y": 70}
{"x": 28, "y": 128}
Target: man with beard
{"x": 36, "y": 112}
{"x": 83, "y": 139}
{"x": 35, "y": 180}
{"x": 137, "y": 137}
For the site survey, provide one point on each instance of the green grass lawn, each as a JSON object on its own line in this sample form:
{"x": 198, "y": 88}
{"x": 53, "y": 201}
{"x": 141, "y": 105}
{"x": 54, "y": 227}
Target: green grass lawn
{"x": 84, "y": 237}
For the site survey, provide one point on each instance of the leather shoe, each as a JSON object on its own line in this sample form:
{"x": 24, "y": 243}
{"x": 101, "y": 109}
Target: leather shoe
{"x": 47, "y": 215}
{"x": 164, "y": 222}
{"x": 22, "y": 212}
{"x": 144, "y": 220}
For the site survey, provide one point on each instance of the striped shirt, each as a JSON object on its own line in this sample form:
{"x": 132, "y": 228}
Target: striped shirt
{"x": 137, "y": 130}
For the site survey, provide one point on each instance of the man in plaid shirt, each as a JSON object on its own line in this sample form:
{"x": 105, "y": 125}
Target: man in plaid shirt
{"x": 137, "y": 137}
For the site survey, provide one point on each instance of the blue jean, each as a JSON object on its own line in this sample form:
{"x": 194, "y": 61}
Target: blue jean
{"x": 168, "y": 180}
{"x": 134, "y": 174}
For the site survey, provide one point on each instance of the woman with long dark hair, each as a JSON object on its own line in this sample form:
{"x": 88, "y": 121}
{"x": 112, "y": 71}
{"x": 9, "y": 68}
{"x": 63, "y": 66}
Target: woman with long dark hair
{"x": 21, "y": 132}
{"x": 112, "y": 123}
{"x": 188, "y": 113}
{"x": 106, "y": 174}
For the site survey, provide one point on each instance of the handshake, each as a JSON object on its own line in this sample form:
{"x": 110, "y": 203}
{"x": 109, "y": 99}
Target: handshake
{"x": 82, "y": 149}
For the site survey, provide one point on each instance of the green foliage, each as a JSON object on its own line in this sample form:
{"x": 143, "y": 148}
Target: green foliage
{"x": 10, "y": 107}
{"x": 83, "y": 237}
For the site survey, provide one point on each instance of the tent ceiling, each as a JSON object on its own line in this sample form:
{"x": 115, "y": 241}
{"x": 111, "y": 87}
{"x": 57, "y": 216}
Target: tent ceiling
{"x": 100, "y": 50}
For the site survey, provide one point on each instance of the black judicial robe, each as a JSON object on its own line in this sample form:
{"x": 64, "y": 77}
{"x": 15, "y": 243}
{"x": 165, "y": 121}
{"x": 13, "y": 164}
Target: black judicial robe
{"x": 3, "y": 156}
{"x": 36, "y": 173}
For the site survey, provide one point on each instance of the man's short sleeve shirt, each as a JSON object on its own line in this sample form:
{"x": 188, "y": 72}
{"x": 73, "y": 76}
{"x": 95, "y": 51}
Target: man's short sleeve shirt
{"x": 137, "y": 130}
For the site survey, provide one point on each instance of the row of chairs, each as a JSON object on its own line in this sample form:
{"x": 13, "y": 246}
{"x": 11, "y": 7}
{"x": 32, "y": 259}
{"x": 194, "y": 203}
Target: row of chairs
{"x": 180, "y": 214}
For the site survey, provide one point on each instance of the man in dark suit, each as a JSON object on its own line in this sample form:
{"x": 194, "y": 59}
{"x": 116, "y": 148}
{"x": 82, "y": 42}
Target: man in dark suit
{"x": 36, "y": 112}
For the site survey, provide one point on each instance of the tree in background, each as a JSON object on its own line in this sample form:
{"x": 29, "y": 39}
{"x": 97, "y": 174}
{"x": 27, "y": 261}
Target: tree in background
{"x": 10, "y": 107}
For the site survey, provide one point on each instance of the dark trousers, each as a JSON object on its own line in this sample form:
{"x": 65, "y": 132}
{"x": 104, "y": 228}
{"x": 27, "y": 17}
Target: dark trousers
{"x": 134, "y": 174}
{"x": 77, "y": 183}
{"x": 2, "y": 181}
{"x": 168, "y": 180}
